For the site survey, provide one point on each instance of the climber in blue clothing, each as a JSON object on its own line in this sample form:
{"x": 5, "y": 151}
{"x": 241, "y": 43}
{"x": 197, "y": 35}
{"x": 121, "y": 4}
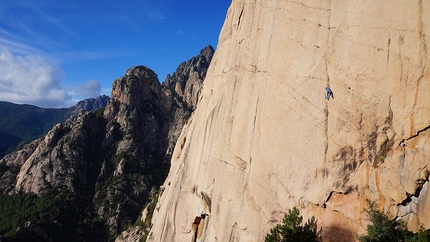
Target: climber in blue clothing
{"x": 328, "y": 93}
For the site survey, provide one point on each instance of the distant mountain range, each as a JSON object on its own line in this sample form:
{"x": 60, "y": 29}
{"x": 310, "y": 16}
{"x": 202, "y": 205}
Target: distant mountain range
{"x": 25, "y": 123}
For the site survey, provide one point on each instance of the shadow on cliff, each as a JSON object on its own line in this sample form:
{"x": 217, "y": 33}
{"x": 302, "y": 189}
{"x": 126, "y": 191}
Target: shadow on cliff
{"x": 336, "y": 233}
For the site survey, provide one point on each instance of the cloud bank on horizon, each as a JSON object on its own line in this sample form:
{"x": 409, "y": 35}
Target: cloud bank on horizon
{"x": 54, "y": 54}
{"x": 30, "y": 79}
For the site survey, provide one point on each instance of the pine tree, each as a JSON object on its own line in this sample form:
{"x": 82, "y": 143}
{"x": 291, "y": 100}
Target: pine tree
{"x": 292, "y": 230}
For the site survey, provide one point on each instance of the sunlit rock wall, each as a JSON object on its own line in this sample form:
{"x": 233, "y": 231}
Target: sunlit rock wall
{"x": 264, "y": 139}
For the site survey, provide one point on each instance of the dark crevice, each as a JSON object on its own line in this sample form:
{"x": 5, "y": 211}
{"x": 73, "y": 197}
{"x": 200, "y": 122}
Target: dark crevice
{"x": 207, "y": 200}
{"x": 240, "y": 17}
{"x": 403, "y": 142}
{"x": 406, "y": 201}
{"x": 256, "y": 111}
{"x": 388, "y": 50}
{"x": 420, "y": 184}
{"x": 198, "y": 226}
{"x": 328, "y": 198}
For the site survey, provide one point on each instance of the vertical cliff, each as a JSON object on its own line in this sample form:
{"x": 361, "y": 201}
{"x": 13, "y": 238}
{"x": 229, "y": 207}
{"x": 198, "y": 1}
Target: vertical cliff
{"x": 263, "y": 138}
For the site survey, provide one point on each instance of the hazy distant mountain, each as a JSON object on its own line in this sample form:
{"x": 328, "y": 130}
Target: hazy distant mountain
{"x": 89, "y": 104}
{"x": 25, "y": 123}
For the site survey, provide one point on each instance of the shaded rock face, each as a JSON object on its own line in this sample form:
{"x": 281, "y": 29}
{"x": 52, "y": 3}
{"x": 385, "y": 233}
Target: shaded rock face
{"x": 183, "y": 87}
{"x": 62, "y": 158}
{"x": 263, "y": 138}
{"x": 135, "y": 142}
{"x": 139, "y": 111}
{"x": 89, "y": 104}
{"x": 113, "y": 158}
{"x": 187, "y": 81}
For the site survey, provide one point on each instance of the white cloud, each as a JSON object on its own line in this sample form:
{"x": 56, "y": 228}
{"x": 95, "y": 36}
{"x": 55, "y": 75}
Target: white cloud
{"x": 30, "y": 80}
{"x": 89, "y": 89}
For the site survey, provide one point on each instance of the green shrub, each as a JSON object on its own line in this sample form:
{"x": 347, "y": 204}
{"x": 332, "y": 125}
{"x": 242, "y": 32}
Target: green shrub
{"x": 292, "y": 230}
{"x": 99, "y": 112}
{"x": 383, "y": 229}
{"x": 423, "y": 235}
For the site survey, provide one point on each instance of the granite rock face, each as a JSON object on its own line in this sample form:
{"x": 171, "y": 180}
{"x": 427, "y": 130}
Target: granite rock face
{"x": 264, "y": 139}
{"x": 186, "y": 82}
{"x": 184, "y": 87}
{"x": 135, "y": 141}
{"x": 62, "y": 157}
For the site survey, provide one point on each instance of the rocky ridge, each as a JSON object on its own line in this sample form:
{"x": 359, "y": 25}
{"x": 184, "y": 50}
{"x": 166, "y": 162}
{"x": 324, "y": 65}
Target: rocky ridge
{"x": 263, "y": 138}
{"x": 25, "y": 123}
{"x": 89, "y": 104}
{"x": 187, "y": 81}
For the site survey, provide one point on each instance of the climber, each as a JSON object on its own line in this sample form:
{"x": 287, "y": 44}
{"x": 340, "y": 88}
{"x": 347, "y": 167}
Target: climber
{"x": 328, "y": 93}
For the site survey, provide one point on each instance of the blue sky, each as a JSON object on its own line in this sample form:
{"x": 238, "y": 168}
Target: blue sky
{"x": 55, "y": 53}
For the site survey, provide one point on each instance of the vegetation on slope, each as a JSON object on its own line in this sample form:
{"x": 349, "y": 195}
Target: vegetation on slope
{"x": 25, "y": 123}
{"x": 55, "y": 216}
{"x": 291, "y": 229}
{"x": 383, "y": 229}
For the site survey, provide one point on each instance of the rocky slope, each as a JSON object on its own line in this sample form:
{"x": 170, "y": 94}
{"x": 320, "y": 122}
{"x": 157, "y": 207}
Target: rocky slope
{"x": 107, "y": 158}
{"x": 88, "y": 104}
{"x": 25, "y": 123}
{"x": 112, "y": 159}
{"x": 187, "y": 81}
{"x": 263, "y": 138}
